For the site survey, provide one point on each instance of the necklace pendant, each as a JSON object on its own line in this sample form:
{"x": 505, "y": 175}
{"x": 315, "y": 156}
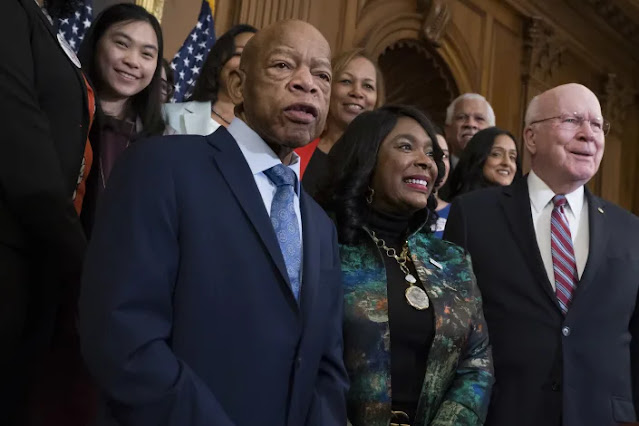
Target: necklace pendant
{"x": 410, "y": 279}
{"x": 417, "y": 298}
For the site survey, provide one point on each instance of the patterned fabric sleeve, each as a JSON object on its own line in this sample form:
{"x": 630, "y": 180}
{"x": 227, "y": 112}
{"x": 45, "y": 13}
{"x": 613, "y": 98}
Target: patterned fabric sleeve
{"x": 466, "y": 401}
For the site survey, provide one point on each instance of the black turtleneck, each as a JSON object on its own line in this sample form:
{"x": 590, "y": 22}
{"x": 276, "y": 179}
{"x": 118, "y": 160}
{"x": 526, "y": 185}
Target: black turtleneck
{"x": 411, "y": 330}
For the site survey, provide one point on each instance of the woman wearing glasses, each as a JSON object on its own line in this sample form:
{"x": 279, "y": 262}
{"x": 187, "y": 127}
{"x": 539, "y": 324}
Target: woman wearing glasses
{"x": 166, "y": 85}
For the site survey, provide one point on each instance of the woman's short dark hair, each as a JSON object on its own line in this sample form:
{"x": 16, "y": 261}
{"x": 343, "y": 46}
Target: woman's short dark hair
{"x": 469, "y": 172}
{"x": 208, "y": 84}
{"x": 352, "y": 161}
{"x": 147, "y": 104}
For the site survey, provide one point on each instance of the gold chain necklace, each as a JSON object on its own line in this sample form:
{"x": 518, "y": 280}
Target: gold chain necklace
{"x": 415, "y": 296}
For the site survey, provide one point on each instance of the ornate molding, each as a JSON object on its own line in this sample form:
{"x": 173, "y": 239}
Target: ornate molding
{"x": 436, "y": 17}
{"x": 543, "y": 50}
{"x": 254, "y": 12}
{"x": 615, "y": 102}
{"x": 617, "y": 18}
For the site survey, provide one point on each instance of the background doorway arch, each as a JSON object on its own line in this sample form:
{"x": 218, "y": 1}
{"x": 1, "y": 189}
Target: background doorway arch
{"x": 415, "y": 74}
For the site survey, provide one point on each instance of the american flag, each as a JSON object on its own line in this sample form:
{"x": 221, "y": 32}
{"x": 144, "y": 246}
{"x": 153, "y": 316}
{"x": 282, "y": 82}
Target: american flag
{"x": 187, "y": 62}
{"x": 74, "y": 26}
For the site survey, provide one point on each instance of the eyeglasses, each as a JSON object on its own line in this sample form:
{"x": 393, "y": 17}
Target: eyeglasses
{"x": 574, "y": 122}
{"x": 166, "y": 88}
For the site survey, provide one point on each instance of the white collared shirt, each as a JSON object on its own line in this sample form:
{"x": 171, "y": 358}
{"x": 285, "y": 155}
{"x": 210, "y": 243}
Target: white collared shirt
{"x": 576, "y": 210}
{"x": 260, "y": 157}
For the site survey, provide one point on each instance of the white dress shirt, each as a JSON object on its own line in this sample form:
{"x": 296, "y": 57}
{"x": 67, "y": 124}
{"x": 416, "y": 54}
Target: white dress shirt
{"x": 576, "y": 211}
{"x": 260, "y": 157}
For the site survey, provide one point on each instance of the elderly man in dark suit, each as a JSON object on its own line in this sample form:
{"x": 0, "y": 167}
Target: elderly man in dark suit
{"x": 212, "y": 290}
{"x": 559, "y": 273}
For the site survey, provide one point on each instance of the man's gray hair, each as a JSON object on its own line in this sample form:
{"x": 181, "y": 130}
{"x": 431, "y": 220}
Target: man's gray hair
{"x": 451, "y": 108}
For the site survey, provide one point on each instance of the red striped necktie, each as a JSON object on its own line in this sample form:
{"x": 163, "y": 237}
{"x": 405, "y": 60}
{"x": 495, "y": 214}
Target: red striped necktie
{"x": 563, "y": 254}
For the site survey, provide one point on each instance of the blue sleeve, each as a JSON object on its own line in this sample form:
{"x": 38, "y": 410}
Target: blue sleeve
{"x": 126, "y": 308}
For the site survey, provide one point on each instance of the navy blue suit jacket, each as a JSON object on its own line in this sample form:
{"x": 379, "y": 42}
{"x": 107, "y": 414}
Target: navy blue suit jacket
{"x": 186, "y": 313}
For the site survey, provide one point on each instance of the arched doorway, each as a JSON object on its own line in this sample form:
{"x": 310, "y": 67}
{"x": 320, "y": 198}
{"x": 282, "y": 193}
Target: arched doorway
{"x": 415, "y": 74}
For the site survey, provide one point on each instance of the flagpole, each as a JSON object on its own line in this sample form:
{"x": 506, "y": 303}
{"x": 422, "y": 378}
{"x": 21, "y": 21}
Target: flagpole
{"x": 156, "y": 7}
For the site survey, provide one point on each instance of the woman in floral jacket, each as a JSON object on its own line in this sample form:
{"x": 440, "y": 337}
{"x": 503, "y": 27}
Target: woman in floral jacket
{"x": 415, "y": 339}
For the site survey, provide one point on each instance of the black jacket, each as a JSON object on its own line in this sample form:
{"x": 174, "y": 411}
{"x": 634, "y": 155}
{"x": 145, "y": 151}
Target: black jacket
{"x": 551, "y": 370}
{"x": 44, "y": 122}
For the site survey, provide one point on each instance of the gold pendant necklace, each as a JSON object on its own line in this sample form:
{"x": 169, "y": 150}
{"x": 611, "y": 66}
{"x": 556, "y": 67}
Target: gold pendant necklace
{"x": 415, "y": 296}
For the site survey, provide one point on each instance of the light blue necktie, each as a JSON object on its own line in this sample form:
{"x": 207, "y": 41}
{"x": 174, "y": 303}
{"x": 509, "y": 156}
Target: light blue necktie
{"x": 285, "y": 222}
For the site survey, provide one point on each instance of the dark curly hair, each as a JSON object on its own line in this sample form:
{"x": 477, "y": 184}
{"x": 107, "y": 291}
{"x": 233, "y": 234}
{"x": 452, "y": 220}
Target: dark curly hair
{"x": 352, "y": 161}
{"x": 469, "y": 174}
{"x": 208, "y": 84}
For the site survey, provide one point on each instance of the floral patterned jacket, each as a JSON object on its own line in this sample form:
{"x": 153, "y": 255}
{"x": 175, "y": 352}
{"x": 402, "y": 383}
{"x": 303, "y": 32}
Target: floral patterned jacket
{"x": 459, "y": 374}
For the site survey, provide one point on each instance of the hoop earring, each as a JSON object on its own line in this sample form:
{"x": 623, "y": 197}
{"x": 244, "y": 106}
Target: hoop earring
{"x": 370, "y": 194}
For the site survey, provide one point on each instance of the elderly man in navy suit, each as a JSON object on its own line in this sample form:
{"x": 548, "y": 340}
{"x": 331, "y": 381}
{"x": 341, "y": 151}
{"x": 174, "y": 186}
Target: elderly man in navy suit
{"x": 212, "y": 290}
{"x": 558, "y": 269}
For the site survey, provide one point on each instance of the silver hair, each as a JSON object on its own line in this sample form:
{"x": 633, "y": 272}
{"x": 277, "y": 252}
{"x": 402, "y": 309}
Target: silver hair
{"x": 531, "y": 111}
{"x": 451, "y": 108}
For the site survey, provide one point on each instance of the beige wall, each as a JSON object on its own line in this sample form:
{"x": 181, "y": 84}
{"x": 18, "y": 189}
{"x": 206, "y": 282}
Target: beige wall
{"x": 177, "y": 21}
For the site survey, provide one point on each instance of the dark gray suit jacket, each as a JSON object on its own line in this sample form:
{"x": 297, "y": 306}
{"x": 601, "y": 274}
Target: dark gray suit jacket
{"x": 551, "y": 370}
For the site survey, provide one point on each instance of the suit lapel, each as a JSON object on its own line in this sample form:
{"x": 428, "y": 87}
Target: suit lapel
{"x": 597, "y": 245}
{"x": 311, "y": 251}
{"x": 42, "y": 16}
{"x": 516, "y": 205}
{"x": 238, "y": 176}
{"x": 77, "y": 71}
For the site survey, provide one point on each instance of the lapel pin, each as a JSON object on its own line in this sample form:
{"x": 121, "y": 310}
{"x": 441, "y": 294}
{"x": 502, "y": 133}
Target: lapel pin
{"x": 600, "y": 210}
{"x": 436, "y": 263}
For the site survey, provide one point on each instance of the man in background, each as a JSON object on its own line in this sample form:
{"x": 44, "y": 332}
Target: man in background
{"x": 465, "y": 116}
{"x": 558, "y": 269}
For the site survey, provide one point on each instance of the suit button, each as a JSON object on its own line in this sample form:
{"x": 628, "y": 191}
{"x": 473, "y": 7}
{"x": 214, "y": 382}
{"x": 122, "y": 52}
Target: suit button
{"x": 556, "y": 387}
{"x": 298, "y": 362}
{"x": 565, "y": 331}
